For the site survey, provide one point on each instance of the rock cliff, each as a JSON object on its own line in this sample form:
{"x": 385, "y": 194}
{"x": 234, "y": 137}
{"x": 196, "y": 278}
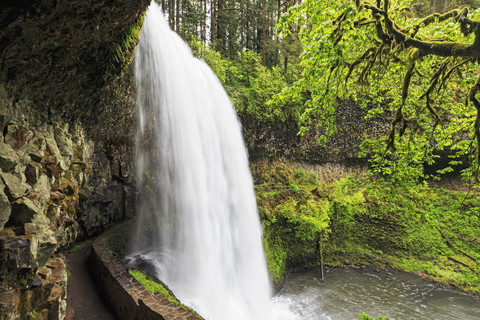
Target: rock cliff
{"x": 66, "y": 132}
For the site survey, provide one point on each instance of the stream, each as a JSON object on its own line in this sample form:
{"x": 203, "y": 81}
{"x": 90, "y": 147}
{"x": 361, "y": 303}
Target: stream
{"x": 348, "y": 292}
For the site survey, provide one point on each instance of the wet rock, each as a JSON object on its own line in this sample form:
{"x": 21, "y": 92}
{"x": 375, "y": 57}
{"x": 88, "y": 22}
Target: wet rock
{"x": 23, "y": 211}
{"x": 14, "y": 187}
{"x": 52, "y": 148}
{"x": 44, "y": 273}
{"x": 64, "y": 143}
{"x": 43, "y": 187}
{"x": 68, "y": 187}
{"x": 69, "y": 222}
{"x": 8, "y": 302}
{"x": 29, "y": 228}
{"x": 53, "y": 212}
{"x": 5, "y": 208}
{"x": 53, "y": 171}
{"x": 55, "y": 293}
{"x": 8, "y": 157}
{"x": 32, "y": 172}
{"x": 36, "y": 282}
{"x": 46, "y": 239}
{"x": 78, "y": 153}
{"x": 37, "y": 156}
{"x": 56, "y": 196}
{"x": 17, "y": 136}
{"x": 16, "y": 260}
{"x": 34, "y": 145}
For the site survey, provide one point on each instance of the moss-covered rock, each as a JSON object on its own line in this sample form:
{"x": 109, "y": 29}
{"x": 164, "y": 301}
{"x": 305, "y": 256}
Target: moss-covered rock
{"x": 416, "y": 228}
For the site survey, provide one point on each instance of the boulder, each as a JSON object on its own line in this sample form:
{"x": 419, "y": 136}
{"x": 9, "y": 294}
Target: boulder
{"x": 29, "y": 228}
{"x": 17, "y": 136}
{"x": 8, "y": 157}
{"x": 33, "y": 146}
{"x": 14, "y": 187}
{"x": 23, "y": 211}
{"x": 43, "y": 187}
{"x": 46, "y": 239}
{"x": 52, "y": 148}
{"x": 5, "y": 208}
{"x": 15, "y": 260}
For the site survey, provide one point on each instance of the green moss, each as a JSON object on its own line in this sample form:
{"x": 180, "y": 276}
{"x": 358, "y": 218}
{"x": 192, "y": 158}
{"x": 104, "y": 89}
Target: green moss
{"x": 118, "y": 238}
{"x": 79, "y": 246}
{"x": 364, "y": 316}
{"x": 122, "y": 52}
{"x": 154, "y": 287}
{"x": 429, "y": 231}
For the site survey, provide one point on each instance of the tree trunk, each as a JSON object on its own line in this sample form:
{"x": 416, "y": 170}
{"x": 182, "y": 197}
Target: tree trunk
{"x": 277, "y": 39}
{"x": 213, "y": 34}
{"x": 171, "y": 14}
{"x": 177, "y": 17}
{"x": 264, "y": 33}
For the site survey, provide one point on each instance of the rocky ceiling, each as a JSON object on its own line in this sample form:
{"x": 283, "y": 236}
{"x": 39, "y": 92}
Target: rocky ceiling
{"x": 58, "y": 54}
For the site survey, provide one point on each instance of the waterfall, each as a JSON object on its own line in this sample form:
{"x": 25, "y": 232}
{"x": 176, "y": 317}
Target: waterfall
{"x": 197, "y": 220}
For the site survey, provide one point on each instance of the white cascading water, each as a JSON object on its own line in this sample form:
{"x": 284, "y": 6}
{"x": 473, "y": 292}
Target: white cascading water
{"x": 198, "y": 222}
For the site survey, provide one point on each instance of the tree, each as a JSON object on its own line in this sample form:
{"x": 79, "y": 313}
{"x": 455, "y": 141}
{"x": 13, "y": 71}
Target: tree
{"x": 425, "y": 67}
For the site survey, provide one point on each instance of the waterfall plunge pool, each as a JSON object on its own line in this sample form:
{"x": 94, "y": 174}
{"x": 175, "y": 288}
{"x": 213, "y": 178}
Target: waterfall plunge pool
{"x": 347, "y": 292}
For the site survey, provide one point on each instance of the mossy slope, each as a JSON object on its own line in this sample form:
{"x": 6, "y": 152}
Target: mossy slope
{"x": 430, "y": 231}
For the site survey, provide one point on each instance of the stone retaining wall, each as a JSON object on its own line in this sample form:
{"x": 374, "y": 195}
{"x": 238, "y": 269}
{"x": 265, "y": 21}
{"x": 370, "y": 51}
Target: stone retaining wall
{"x": 127, "y": 296}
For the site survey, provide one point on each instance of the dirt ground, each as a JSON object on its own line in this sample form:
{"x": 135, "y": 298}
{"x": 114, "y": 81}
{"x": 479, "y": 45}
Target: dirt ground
{"x": 84, "y": 302}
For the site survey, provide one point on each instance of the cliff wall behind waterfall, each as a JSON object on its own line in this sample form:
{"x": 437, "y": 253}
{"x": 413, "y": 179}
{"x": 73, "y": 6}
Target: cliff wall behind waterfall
{"x": 66, "y": 129}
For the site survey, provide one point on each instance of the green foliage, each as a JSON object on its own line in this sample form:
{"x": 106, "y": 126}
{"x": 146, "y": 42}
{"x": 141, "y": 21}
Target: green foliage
{"x": 364, "y": 316}
{"x": 276, "y": 255}
{"x": 250, "y": 85}
{"x": 154, "y": 287}
{"x": 411, "y": 227}
{"x": 343, "y": 58}
{"x": 32, "y": 314}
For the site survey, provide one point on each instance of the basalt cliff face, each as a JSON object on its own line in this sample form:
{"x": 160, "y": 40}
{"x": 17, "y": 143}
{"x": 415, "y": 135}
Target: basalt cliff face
{"x": 66, "y": 139}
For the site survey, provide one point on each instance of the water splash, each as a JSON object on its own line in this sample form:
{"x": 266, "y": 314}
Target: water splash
{"x": 198, "y": 223}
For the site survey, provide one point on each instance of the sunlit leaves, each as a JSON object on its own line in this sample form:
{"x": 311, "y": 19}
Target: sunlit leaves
{"x": 344, "y": 57}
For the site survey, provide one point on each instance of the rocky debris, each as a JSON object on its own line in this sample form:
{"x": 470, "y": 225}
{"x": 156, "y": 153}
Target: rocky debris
{"x": 43, "y": 188}
{"x": 17, "y": 264}
{"x": 45, "y": 237}
{"x": 5, "y": 208}
{"x": 14, "y": 187}
{"x": 17, "y": 136}
{"x": 23, "y": 211}
{"x": 8, "y": 157}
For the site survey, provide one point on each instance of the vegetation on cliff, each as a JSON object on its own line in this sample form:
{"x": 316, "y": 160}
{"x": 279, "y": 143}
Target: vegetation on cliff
{"x": 432, "y": 231}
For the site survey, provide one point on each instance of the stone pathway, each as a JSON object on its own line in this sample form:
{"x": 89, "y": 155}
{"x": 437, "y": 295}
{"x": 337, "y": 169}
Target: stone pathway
{"x": 83, "y": 300}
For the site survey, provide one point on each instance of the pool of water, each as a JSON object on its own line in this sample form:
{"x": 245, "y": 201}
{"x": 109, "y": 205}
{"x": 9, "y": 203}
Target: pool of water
{"x": 347, "y": 292}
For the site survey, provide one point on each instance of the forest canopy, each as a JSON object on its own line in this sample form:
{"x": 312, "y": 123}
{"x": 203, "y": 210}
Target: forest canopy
{"x": 424, "y": 67}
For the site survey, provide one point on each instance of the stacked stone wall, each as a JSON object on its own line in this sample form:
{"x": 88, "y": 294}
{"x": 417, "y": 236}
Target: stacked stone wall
{"x": 128, "y": 297}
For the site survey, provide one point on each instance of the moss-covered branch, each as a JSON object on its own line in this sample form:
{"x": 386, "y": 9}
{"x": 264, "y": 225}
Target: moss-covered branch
{"x": 430, "y": 47}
